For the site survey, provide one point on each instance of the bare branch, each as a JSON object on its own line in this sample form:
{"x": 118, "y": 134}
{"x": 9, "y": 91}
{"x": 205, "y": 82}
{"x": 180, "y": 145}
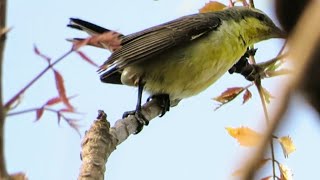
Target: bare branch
{"x": 101, "y": 140}
{"x": 3, "y": 170}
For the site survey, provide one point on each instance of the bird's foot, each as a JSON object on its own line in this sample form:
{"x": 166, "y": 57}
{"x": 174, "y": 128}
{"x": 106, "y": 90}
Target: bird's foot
{"x": 164, "y": 102}
{"x": 141, "y": 119}
{"x": 251, "y": 72}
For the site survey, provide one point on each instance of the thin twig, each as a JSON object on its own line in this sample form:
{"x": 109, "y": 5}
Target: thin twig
{"x": 266, "y": 116}
{"x": 15, "y": 97}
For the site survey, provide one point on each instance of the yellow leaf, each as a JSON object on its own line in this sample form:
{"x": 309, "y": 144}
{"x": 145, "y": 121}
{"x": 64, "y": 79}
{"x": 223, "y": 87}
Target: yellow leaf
{"x": 245, "y": 136}
{"x": 267, "y": 95}
{"x": 287, "y": 145}
{"x": 285, "y": 172}
{"x": 212, "y": 6}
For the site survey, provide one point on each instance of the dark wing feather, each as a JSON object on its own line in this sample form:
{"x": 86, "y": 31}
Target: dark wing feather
{"x": 145, "y": 44}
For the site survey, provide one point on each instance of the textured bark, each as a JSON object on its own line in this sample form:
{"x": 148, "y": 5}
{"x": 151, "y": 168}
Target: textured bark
{"x": 3, "y": 171}
{"x": 101, "y": 140}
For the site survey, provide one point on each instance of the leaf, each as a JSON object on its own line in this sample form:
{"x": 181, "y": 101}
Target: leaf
{"x": 86, "y": 58}
{"x": 245, "y": 136}
{"x": 13, "y": 103}
{"x": 36, "y": 50}
{"x": 53, "y": 101}
{"x": 246, "y": 96}
{"x": 4, "y": 31}
{"x": 61, "y": 89}
{"x": 267, "y": 95}
{"x": 109, "y": 40}
{"x": 212, "y": 6}
{"x": 229, "y": 94}
{"x": 287, "y": 145}
{"x": 39, "y": 113}
{"x": 73, "y": 123}
{"x": 285, "y": 172}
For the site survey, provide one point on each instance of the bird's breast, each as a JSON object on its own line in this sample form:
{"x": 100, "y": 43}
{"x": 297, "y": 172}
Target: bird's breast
{"x": 191, "y": 68}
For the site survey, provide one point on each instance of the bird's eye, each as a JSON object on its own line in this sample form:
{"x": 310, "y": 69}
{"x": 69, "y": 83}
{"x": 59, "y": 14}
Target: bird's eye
{"x": 261, "y": 17}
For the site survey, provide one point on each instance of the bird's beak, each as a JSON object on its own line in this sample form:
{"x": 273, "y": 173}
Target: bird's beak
{"x": 278, "y": 33}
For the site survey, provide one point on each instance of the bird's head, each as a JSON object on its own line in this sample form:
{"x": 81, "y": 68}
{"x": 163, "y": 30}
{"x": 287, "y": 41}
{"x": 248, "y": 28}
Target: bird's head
{"x": 254, "y": 25}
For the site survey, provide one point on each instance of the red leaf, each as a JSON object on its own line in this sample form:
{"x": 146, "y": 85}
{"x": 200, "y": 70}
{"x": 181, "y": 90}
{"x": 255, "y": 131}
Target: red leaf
{"x": 229, "y": 94}
{"x": 39, "y": 113}
{"x": 86, "y": 58}
{"x": 109, "y": 40}
{"x": 246, "y": 96}
{"x": 53, "y": 101}
{"x": 61, "y": 89}
{"x": 36, "y": 50}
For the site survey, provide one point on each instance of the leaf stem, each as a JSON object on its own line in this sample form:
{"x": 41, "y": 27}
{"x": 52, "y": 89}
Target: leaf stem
{"x": 265, "y": 110}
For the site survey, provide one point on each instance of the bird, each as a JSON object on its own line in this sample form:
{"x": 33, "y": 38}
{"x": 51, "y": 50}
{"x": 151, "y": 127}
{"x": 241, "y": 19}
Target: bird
{"x": 180, "y": 58}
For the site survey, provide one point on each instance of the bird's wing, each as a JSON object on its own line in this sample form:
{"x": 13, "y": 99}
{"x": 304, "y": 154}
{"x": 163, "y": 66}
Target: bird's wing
{"x": 145, "y": 44}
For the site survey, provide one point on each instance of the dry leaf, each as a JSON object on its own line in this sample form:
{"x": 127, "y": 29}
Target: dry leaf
{"x": 212, "y": 6}
{"x": 246, "y": 96}
{"x": 4, "y": 31}
{"x": 37, "y": 51}
{"x": 86, "y": 58}
{"x": 287, "y": 145}
{"x": 245, "y": 136}
{"x": 61, "y": 89}
{"x": 285, "y": 172}
{"x": 109, "y": 40}
{"x": 53, "y": 101}
{"x": 39, "y": 113}
{"x": 229, "y": 94}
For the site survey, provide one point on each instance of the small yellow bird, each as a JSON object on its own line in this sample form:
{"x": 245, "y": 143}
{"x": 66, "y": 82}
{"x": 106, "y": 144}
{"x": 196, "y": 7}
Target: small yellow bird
{"x": 183, "y": 57}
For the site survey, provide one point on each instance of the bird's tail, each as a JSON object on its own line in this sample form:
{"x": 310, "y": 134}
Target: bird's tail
{"x": 88, "y": 27}
{"x": 101, "y": 37}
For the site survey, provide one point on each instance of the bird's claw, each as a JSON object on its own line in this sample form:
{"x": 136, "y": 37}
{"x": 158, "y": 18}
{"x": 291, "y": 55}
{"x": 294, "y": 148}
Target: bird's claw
{"x": 164, "y": 102}
{"x": 251, "y": 72}
{"x": 141, "y": 119}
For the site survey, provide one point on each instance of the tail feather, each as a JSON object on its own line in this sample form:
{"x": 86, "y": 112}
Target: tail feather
{"x": 88, "y": 27}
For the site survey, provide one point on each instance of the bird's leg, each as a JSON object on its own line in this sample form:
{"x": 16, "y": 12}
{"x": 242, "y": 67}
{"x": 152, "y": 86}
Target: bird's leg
{"x": 250, "y": 71}
{"x": 137, "y": 112}
{"x": 164, "y": 102}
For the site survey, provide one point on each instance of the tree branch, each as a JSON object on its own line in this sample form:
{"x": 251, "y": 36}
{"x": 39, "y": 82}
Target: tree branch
{"x": 3, "y": 170}
{"x": 101, "y": 140}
